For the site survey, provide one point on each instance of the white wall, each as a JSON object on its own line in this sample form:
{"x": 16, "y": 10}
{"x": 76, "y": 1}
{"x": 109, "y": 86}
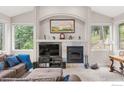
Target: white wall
{"x": 7, "y": 21}
{"x": 4, "y": 18}
{"x": 99, "y": 18}
{"x": 45, "y": 29}
{"x": 119, "y": 18}
{"x": 24, "y": 18}
{"x": 80, "y": 11}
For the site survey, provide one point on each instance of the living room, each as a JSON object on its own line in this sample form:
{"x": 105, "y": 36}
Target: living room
{"x": 67, "y": 41}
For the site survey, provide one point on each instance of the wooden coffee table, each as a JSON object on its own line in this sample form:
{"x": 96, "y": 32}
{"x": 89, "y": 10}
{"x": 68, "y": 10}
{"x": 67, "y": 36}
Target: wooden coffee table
{"x": 119, "y": 59}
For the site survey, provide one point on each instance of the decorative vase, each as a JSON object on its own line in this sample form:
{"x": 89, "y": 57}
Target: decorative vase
{"x": 86, "y": 64}
{"x": 45, "y": 37}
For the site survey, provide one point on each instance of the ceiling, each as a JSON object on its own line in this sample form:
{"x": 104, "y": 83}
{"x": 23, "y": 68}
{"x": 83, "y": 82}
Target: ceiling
{"x": 110, "y": 11}
{"x": 15, "y": 10}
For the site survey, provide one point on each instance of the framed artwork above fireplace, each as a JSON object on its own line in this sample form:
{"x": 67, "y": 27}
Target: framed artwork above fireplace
{"x": 62, "y": 25}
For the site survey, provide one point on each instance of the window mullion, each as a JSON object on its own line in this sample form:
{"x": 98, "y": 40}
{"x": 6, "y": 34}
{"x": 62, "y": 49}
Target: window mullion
{"x": 103, "y": 34}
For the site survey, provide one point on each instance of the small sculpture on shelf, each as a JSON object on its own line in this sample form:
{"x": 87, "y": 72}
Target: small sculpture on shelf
{"x": 79, "y": 38}
{"x": 54, "y": 37}
{"x": 70, "y": 37}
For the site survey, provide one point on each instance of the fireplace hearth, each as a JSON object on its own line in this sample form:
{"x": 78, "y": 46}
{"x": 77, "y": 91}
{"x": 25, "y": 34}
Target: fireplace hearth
{"x": 75, "y": 54}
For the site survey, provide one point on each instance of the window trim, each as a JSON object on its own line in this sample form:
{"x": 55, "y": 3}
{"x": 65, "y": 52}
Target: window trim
{"x": 111, "y": 35}
{"x": 13, "y": 36}
{"x": 3, "y": 36}
{"x": 119, "y": 45}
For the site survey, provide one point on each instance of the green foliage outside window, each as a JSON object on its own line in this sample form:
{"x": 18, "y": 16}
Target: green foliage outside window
{"x": 100, "y": 35}
{"x": 23, "y": 37}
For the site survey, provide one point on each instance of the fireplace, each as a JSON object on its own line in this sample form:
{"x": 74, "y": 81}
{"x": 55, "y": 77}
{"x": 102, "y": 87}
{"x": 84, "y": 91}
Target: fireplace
{"x": 75, "y": 54}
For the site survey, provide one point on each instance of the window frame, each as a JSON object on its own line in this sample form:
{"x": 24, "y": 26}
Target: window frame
{"x": 13, "y": 36}
{"x": 119, "y": 45}
{"x": 3, "y": 36}
{"x": 111, "y": 35}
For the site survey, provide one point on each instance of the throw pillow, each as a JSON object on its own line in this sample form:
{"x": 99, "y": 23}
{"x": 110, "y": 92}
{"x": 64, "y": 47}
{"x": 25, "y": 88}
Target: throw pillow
{"x": 1, "y": 66}
{"x": 25, "y": 58}
{"x": 12, "y": 61}
{"x": 66, "y": 78}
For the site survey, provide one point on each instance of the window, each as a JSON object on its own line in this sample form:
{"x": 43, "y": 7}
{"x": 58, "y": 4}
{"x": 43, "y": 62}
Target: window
{"x": 23, "y": 37}
{"x": 100, "y": 37}
{"x": 121, "y": 36}
{"x": 2, "y": 31}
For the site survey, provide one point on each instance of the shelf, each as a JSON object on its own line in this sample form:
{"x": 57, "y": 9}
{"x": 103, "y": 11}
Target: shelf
{"x": 53, "y": 65}
{"x": 61, "y": 41}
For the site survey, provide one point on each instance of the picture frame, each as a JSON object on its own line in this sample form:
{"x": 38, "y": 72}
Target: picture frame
{"x": 62, "y": 25}
{"x": 62, "y": 36}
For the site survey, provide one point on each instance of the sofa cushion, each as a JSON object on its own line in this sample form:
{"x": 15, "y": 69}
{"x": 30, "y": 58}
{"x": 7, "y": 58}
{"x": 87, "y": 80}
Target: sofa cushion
{"x": 12, "y": 61}
{"x": 2, "y": 66}
{"x": 60, "y": 78}
{"x": 18, "y": 68}
{"x": 2, "y": 56}
{"x": 7, "y": 74}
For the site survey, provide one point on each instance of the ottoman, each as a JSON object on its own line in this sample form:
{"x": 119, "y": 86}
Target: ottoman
{"x": 45, "y": 74}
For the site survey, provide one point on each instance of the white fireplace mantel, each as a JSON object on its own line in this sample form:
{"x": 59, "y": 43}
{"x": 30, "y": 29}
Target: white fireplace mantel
{"x": 61, "y": 41}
